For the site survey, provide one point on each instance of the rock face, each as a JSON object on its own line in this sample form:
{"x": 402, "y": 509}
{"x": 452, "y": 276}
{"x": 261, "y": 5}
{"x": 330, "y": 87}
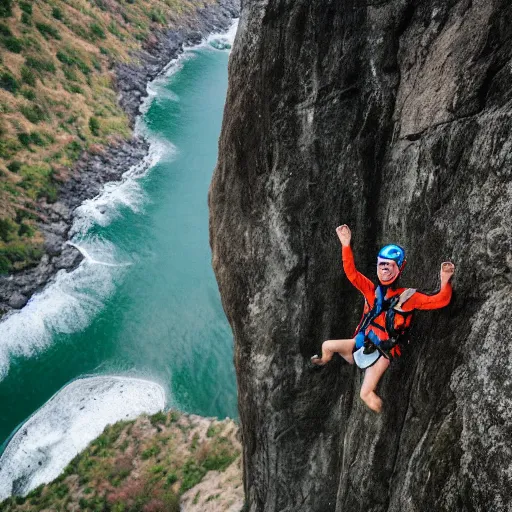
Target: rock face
{"x": 393, "y": 117}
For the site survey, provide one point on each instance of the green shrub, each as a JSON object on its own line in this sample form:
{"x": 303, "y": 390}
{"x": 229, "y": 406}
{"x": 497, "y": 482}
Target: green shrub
{"x": 171, "y": 479}
{"x": 76, "y": 89}
{"x": 83, "y": 67}
{"x": 8, "y": 82}
{"x": 113, "y": 29}
{"x": 192, "y": 474}
{"x": 27, "y": 76}
{"x": 213, "y": 430}
{"x": 5, "y": 30}
{"x": 157, "y": 16}
{"x": 96, "y": 63}
{"x": 26, "y": 7}
{"x": 65, "y": 58}
{"x": 159, "y": 417}
{"x": 150, "y": 452}
{"x": 8, "y": 230}
{"x": 5, "y": 265}
{"x": 47, "y": 31}
{"x": 31, "y": 42}
{"x": 97, "y": 31}
{"x": 24, "y": 138}
{"x": 26, "y": 230}
{"x": 73, "y": 150}
{"x": 104, "y": 51}
{"x": 50, "y": 192}
{"x": 14, "y": 166}
{"x": 80, "y": 31}
{"x": 34, "y": 113}
{"x": 18, "y": 255}
{"x": 57, "y": 13}
{"x": 70, "y": 74}
{"x": 41, "y": 65}
{"x": 11, "y": 43}
{"x": 61, "y": 491}
{"x": 37, "y": 139}
{"x": 28, "y": 93}
{"x": 219, "y": 461}
{"x": 94, "y": 126}
{"x": 26, "y": 18}
{"x": 5, "y": 8}
{"x": 71, "y": 57}
{"x": 8, "y": 147}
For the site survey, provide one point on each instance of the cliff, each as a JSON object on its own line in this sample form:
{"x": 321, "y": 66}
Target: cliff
{"x": 393, "y": 117}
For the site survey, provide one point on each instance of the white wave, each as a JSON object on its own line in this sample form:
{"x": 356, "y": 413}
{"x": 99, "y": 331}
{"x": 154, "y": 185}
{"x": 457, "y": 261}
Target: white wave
{"x": 45, "y": 444}
{"x": 90, "y": 258}
{"x": 156, "y": 87}
{"x": 65, "y": 306}
{"x": 106, "y": 206}
{"x": 223, "y": 40}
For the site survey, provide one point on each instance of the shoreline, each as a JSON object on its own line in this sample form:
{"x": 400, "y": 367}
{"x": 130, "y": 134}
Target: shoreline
{"x": 94, "y": 169}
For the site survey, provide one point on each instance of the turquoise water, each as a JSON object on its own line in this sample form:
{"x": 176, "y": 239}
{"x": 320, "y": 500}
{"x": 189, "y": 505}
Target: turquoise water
{"x": 146, "y": 303}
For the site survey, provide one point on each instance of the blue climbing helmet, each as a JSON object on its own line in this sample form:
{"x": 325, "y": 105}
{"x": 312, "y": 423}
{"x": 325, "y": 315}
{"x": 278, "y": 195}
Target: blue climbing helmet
{"x": 393, "y": 252}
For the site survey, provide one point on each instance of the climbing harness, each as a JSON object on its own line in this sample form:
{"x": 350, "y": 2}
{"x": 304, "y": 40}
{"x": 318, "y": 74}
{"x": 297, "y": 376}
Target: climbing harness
{"x": 369, "y": 348}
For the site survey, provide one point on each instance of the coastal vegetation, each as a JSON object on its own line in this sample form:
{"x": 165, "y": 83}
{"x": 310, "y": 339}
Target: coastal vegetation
{"x": 144, "y": 465}
{"x": 58, "y": 98}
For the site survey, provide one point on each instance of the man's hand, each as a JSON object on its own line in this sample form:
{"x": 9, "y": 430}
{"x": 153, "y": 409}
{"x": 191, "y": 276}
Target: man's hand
{"x": 447, "y": 271}
{"x": 344, "y": 234}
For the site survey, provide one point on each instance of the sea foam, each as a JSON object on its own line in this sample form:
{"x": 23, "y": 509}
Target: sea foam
{"x": 45, "y": 444}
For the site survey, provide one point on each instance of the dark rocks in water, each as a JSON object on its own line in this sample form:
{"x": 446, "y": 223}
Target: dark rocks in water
{"x": 392, "y": 117}
{"x": 92, "y": 171}
{"x": 17, "y": 300}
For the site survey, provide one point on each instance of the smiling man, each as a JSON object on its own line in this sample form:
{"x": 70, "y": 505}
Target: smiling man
{"x": 387, "y": 314}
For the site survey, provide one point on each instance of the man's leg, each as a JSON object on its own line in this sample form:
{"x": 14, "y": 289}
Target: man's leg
{"x": 343, "y": 347}
{"x": 371, "y": 379}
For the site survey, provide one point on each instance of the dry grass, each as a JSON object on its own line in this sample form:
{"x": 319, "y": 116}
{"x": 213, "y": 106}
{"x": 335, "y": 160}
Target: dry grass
{"x": 57, "y": 79}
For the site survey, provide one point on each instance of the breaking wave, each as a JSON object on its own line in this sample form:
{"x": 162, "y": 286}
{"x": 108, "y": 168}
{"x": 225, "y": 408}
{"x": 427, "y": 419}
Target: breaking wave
{"x": 46, "y": 443}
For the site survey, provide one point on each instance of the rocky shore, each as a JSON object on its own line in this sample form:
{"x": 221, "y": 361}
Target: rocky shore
{"x": 93, "y": 170}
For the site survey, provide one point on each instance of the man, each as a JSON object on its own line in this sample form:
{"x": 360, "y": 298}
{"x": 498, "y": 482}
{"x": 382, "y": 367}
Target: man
{"x": 387, "y": 313}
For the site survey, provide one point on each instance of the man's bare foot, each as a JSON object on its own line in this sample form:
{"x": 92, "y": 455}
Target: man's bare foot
{"x": 317, "y": 360}
{"x": 447, "y": 271}
{"x": 344, "y": 234}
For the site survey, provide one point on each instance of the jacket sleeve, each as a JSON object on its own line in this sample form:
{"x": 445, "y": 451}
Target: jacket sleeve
{"x": 423, "y": 301}
{"x": 361, "y": 282}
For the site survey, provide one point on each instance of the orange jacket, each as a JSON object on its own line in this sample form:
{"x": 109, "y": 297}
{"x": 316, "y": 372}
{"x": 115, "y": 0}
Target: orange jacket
{"x": 401, "y": 321}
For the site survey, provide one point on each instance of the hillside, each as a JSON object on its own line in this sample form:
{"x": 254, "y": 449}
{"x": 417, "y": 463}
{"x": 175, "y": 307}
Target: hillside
{"x": 152, "y": 464}
{"x": 58, "y": 98}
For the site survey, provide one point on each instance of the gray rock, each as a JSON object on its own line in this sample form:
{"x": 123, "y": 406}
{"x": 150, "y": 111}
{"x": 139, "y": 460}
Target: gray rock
{"x": 53, "y": 243}
{"x": 392, "y": 117}
{"x": 69, "y": 259}
{"x": 17, "y": 300}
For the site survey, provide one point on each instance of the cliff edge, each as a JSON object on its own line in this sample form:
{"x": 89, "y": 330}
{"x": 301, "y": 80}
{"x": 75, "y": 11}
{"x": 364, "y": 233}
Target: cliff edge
{"x": 393, "y": 117}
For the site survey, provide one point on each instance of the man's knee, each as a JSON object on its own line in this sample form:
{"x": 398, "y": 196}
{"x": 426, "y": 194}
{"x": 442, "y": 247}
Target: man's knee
{"x": 365, "y": 393}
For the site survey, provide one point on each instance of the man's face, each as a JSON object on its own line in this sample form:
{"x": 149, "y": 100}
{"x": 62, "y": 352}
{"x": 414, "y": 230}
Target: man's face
{"x": 387, "y": 270}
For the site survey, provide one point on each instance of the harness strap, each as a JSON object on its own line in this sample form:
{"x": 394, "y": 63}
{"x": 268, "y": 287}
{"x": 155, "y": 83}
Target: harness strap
{"x": 404, "y": 297}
